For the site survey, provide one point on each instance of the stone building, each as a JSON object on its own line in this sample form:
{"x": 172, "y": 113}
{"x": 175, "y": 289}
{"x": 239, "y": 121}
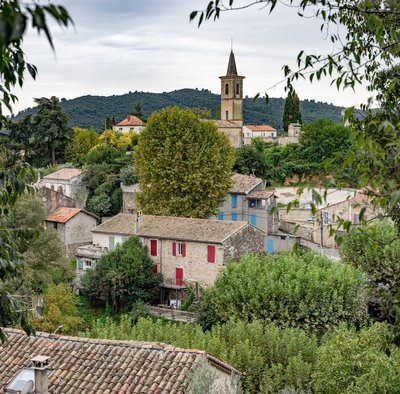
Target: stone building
{"x": 52, "y": 199}
{"x": 74, "y": 227}
{"x": 128, "y": 197}
{"x": 64, "y": 181}
{"x": 131, "y": 123}
{"x": 231, "y": 122}
{"x": 185, "y": 250}
{"x": 248, "y": 201}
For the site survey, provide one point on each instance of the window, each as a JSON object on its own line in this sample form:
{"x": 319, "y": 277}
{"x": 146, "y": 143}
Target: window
{"x": 226, "y": 115}
{"x": 237, "y": 89}
{"x": 153, "y": 247}
{"x": 87, "y": 264}
{"x": 220, "y": 215}
{"x": 179, "y": 249}
{"x": 111, "y": 243}
{"x": 226, "y": 90}
{"x": 155, "y": 268}
{"x": 234, "y": 201}
{"x": 211, "y": 253}
{"x": 234, "y": 217}
{"x": 80, "y": 265}
{"x": 252, "y": 203}
{"x": 253, "y": 219}
{"x": 55, "y": 225}
{"x": 120, "y": 129}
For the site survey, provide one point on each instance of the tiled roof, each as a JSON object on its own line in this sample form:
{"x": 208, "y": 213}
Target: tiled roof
{"x": 243, "y": 184}
{"x": 188, "y": 229}
{"x": 63, "y": 214}
{"x": 260, "y": 195}
{"x": 122, "y": 223}
{"x": 168, "y": 227}
{"x": 262, "y": 127}
{"x": 86, "y": 365}
{"x": 131, "y": 121}
{"x": 64, "y": 174}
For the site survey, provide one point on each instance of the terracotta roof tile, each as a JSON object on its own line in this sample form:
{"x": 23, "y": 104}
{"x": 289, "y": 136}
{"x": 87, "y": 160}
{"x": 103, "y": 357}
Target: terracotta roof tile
{"x": 131, "y": 121}
{"x": 64, "y": 214}
{"x": 156, "y": 368}
{"x": 243, "y": 184}
{"x": 64, "y": 174}
{"x": 261, "y": 127}
{"x": 260, "y": 194}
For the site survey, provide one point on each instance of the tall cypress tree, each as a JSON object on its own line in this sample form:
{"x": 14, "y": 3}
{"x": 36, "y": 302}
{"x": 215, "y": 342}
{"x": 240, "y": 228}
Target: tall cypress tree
{"x": 291, "y": 111}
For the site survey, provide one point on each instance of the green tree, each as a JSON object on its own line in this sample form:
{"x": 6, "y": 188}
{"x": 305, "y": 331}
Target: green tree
{"x": 123, "y": 277}
{"x": 183, "y": 165}
{"x": 59, "y": 311}
{"x": 52, "y": 132}
{"x": 15, "y": 16}
{"x": 13, "y": 310}
{"x": 291, "y": 110}
{"x": 82, "y": 142}
{"x": 138, "y": 110}
{"x": 21, "y": 137}
{"x": 375, "y": 249}
{"x": 310, "y": 292}
{"x": 351, "y": 361}
{"x": 250, "y": 160}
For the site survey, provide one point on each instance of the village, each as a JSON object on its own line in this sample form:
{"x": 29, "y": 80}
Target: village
{"x": 189, "y": 249}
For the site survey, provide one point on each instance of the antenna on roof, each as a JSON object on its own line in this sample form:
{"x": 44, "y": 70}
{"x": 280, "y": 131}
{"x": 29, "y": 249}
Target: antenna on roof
{"x": 231, "y": 44}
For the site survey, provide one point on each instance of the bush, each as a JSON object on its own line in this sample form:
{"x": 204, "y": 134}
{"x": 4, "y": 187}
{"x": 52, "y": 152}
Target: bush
{"x": 310, "y": 291}
{"x": 357, "y": 362}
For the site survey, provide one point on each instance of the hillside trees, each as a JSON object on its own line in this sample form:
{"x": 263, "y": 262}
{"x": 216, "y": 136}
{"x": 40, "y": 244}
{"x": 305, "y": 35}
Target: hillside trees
{"x": 123, "y": 277}
{"x": 183, "y": 165}
{"x": 291, "y": 110}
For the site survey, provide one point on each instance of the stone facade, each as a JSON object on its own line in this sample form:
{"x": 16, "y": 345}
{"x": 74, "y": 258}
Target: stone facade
{"x": 75, "y": 232}
{"x": 128, "y": 198}
{"x": 52, "y": 199}
{"x": 64, "y": 181}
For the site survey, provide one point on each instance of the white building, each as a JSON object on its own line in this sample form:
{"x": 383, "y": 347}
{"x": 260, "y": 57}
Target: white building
{"x": 131, "y": 123}
{"x": 64, "y": 181}
{"x": 265, "y": 132}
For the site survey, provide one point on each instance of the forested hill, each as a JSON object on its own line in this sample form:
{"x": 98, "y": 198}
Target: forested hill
{"x": 91, "y": 111}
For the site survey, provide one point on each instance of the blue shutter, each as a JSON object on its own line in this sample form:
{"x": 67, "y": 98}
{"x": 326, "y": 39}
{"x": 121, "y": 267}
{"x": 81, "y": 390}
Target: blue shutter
{"x": 220, "y": 215}
{"x": 270, "y": 246}
{"x": 253, "y": 219}
{"x": 234, "y": 217}
{"x": 234, "y": 200}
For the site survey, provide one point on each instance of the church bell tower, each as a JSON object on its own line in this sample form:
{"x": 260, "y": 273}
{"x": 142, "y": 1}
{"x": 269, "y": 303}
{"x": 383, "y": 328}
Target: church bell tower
{"x": 232, "y": 93}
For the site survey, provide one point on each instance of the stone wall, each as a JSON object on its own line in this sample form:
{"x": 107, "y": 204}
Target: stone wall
{"x": 246, "y": 240}
{"x": 52, "y": 199}
{"x": 128, "y": 197}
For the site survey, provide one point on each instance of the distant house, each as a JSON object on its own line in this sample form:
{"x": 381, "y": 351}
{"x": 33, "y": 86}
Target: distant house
{"x": 248, "y": 201}
{"x": 185, "y": 250}
{"x": 131, "y": 123}
{"x": 64, "y": 181}
{"x": 74, "y": 226}
{"x": 265, "y": 132}
{"x": 50, "y": 363}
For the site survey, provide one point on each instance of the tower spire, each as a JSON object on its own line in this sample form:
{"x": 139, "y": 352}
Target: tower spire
{"x": 231, "y": 65}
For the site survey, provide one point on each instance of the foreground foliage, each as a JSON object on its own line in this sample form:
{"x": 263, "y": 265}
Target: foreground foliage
{"x": 311, "y": 292}
{"x": 277, "y": 359}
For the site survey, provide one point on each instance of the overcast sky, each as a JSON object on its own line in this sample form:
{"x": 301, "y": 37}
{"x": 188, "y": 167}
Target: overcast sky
{"x": 149, "y": 45}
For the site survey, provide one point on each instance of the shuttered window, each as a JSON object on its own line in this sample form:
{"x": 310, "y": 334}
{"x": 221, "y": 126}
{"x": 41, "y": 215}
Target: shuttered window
{"x": 153, "y": 247}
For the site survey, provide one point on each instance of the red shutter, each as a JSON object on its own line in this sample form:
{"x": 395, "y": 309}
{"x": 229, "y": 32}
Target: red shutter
{"x": 178, "y": 276}
{"x": 155, "y": 268}
{"x": 153, "y": 247}
{"x": 183, "y": 249}
{"x": 174, "y": 248}
{"x": 211, "y": 254}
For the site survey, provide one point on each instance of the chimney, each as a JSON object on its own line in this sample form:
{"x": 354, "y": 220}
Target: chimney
{"x": 40, "y": 365}
{"x": 137, "y": 222}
